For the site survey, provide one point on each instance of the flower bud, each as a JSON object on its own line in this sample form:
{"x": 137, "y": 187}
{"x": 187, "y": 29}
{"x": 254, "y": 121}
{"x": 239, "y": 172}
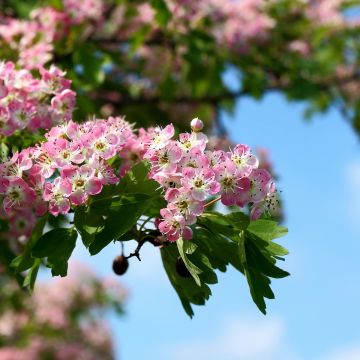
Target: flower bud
{"x": 196, "y": 125}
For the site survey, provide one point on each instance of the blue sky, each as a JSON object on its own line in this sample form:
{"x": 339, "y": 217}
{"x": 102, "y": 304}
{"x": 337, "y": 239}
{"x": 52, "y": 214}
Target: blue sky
{"x": 315, "y": 315}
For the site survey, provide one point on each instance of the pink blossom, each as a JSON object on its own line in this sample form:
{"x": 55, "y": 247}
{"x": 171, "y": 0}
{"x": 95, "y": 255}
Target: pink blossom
{"x": 57, "y": 195}
{"x": 181, "y": 201}
{"x": 16, "y": 165}
{"x": 231, "y": 182}
{"x": 162, "y": 137}
{"x": 64, "y": 103}
{"x": 33, "y": 103}
{"x": 200, "y": 182}
{"x": 83, "y": 182}
{"x": 268, "y": 205}
{"x": 260, "y": 182}
{"x": 17, "y": 194}
{"x": 101, "y": 142}
{"x": 244, "y": 160}
{"x": 173, "y": 225}
{"x": 165, "y": 159}
{"x": 64, "y": 152}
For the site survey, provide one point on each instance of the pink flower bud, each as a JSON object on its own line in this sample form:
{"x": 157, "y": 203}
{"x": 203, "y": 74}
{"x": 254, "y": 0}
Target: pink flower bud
{"x": 196, "y": 125}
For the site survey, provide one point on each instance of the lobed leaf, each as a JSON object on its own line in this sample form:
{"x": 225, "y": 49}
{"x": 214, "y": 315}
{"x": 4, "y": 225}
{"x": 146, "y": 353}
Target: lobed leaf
{"x": 57, "y": 246}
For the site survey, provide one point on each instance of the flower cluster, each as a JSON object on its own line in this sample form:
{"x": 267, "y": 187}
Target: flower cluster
{"x": 239, "y": 24}
{"x": 33, "y": 40}
{"x": 31, "y": 103}
{"x": 191, "y": 176}
{"x": 59, "y": 321}
{"x": 74, "y": 163}
{"x": 62, "y": 171}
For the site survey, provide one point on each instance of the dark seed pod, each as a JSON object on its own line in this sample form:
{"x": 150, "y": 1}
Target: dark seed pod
{"x": 181, "y": 269}
{"x": 120, "y": 265}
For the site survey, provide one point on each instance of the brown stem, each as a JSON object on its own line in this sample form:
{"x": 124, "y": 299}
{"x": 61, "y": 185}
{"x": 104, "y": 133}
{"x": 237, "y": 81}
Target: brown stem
{"x": 137, "y": 250}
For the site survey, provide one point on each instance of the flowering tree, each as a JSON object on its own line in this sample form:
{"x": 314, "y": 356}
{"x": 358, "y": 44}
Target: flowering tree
{"x": 167, "y": 58}
{"x": 108, "y": 179}
{"x": 61, "y": 320}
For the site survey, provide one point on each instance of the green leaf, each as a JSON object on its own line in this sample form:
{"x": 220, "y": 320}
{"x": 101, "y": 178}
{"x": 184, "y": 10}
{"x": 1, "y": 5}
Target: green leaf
{"x": 162, "y": 13}
{"x": 122, "y": 214}
{"x": 267, "y": 229}
{"x": 6, "y": 257}
{"x": 57, "y": 4}
{"x": 136, "y": 181}
{"x": 220, "y": 250}
{"x": 4, "y": 152}
{"x": 259, "y": 264}
{"x": 189, "y": 247}
{"x": 25, "y": 260}
{"x": 88, "y": 224}
{"x": 227, "y": 225}
{"x": 188, "y": 291}
{"x": 139, "y": 37}
{"x": 193, "y": 269}
{"x": 113, "y": 213}
{"x": 57, "y": 246}
{"x": 91, "y": 64}
{"x": 195, "y": 289}
{"x": 30, "y": 277}
{"x": 233, "y": 240}
{"x": 4, "y": 225}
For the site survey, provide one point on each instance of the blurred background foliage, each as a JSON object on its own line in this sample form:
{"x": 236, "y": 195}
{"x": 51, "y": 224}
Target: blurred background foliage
{"x": 61, "y": 320}
{"x": 159, "y": 61}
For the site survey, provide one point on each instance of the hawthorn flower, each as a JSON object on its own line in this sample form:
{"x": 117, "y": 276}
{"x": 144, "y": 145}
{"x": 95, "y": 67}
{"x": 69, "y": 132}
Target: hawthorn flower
{"x": 200, "y": 182}
{"x": 244, "y": 160}
{"x": 161, "y": 137}
{"x": 3, "y": 90}
{"x": 194, "y": 158}
{"x": 180, "y": 201}
{"x": 231, "y": 182}
{"x": 45, "y": 164}
{"x": 54, "y": 79}
{"x": 167, "y": 180}
{"x": 194, "y": 140}
{"x": 215, "y": 157}
{"x": 268, "y": 205}
{"x": 20, "y": 113}
{"x": 83, "y": 182}
{"x": 166, "y": 158}
{"x": 173, "y": 226}
{"x": 100, "y": 142}
{"x": 21, "y": 224}
{"x": 17, "y": 194}
{"x": 57, "y": 194}
{"x": 64, "y": 103}
{"x": 36, "y": 181}
{"x": 103, "y": 171}
{"x": 259, "y": 183}
{"x": 64, "y": 152}
{"x": 32, "y": 102}
{"x": 16, "y": 165}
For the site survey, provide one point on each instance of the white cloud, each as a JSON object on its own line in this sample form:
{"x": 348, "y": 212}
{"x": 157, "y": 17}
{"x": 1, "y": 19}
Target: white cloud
{"x": 237, "y": 338}
{"x": 351, "y": 352}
